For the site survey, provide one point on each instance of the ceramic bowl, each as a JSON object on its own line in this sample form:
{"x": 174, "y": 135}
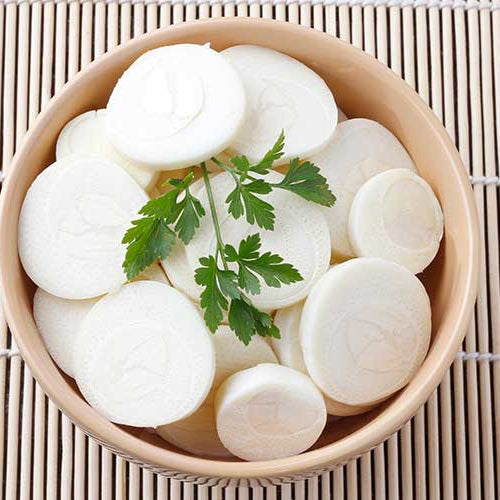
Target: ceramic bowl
{"x": 363, "y": 88}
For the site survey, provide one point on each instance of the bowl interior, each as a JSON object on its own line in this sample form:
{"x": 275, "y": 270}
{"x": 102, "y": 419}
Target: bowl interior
{"x": 362, "y": 88}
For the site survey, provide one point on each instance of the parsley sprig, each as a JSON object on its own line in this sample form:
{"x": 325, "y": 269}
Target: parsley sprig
{"x": 230, "y": 276}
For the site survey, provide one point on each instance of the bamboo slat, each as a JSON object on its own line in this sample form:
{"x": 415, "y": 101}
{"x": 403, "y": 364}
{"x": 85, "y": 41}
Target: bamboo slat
{"x": 449, "y": 51}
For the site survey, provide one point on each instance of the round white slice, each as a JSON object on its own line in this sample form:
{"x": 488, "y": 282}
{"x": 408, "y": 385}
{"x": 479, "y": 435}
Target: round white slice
{"x": 300, "y": 237}
{"x": 145, "y": 357}
{"x": 197, "y": 433}
{"x": 283, "y": 94}
{"x": 58, "y": 321}
{"x": 153, "y": 273}
{"x": 268, "y": 412}
{"x": 289, "y": 352}
{"x": 176, "y": 106}
{"x": 71, "y": 225}
{"x": 342, "y": 116}
{"x": 396, "y": 216}
{"x": 86, "y": 134}
{"x": 359, "y": 150}
{"x": 365, "y": 330}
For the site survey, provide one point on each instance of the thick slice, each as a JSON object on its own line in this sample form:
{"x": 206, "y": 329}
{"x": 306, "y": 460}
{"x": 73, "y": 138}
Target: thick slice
{"x": 164, "y": 107}
{"x": 71, "y": 225}
{"x": 268, "y": 412}
{"x": 359, "y": 150}
{"x": 289, "y": 352}
{"x": 365, "y": 330}
{"x": 197, "y": 433}
{"x": 396, "y": 216}
{"x": 300, "y": 237}
{"x": 145, "y": 357}
{"x": 86, "y": 134}
{"x": 58, "y": 320}
{"x": 283, "y": 94}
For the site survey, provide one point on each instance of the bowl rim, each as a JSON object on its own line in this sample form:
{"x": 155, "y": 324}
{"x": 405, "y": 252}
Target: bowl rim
{"x": 349, "y": 447}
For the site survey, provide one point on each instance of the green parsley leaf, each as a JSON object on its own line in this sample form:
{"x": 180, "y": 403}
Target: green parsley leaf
{"x": 242, "y": 200}
{"x": 270, "y": 267}
{"x": 148, "y": 239}
{"x": 151, "y": 238}
{"x": 275, "y": 153}
{"x": 245, "y": 321}
{"x": 305, "y": 180}
{"x": 218, "y": 285}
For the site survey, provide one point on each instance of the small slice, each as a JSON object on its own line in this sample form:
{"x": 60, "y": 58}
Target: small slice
{"x": 269, "y": 412}
{"x": 359, "y": 150}
{"x": 283, "y": 94}
{"x": 396, "y": 216}
{"x": 176, "y": 106}
{"x": 197, "y": 433}
{"x": 71, "y": 225}
{"x": 300, "y": 237}
{"x": 342, "y": 116}
{"x": 145, "y": 357}
{"x": 58, "y": 321}
{"x": 365, "y": 330}
{"x": 86, "y": 135}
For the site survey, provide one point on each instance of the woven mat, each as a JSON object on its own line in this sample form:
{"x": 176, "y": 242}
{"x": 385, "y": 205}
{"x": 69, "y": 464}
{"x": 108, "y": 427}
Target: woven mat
{"x": 449, "y": 50}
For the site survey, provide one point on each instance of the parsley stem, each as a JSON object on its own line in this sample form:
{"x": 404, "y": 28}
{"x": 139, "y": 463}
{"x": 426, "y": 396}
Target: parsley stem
{"x": 213, "y": 213}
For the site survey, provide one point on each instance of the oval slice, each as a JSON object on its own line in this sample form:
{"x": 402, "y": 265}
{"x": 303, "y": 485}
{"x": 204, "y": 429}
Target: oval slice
{"x": 365, "y": 330}
{"x": 176, "y": 106}
{"x": 197, "y": 433}
{"x": 359, "y": 150}
{"x": 396, "y": 216}
{"x": 145, "y": 357}
{"x": 86, "y": 134}
{"x": 300, "y": 237}
{"x": 269, "y": 412}
{"x": 72, "y": 223}
{"x": 283, "y": 94}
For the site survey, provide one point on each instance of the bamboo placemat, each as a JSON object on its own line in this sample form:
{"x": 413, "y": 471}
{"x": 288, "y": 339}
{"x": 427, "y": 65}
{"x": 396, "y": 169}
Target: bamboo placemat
{"x": 449, "y": 50}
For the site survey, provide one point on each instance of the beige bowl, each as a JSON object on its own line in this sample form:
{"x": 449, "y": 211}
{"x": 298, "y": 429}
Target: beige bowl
{"x": 363, "y": 88}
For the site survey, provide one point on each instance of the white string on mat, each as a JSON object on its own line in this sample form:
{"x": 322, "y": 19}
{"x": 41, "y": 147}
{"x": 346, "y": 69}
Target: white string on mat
{"x": 486, "y": 181}
{"x": 9, "y": 353}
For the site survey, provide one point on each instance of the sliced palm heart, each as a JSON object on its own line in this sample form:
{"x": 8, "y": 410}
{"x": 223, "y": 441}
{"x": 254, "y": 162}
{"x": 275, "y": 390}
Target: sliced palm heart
{"x": 359, "y": 150}
{"x": 342, "y": 116}
{"x": 145, "y": 357}
{"x": 288, "y": 349}
{"x": 396, "y": 216}
{"x": 197, "y": 433}
{"x": 71, "y": 225}
{"x": 58, "y": 320}
{"x": 365, "y": 330}
{"x": 269, "y": 411}
{"x": 86, "y": 134}
{"x": 171, "y": 95}
{"x": 300, "y": 237}
{"x": 283, "y": 94}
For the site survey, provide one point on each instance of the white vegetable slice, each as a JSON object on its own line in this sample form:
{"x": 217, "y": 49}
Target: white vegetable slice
{"x": 300, "y": 236}
{"x": 365, "y": 330}
{"x": 197, "y": 433}
{"x": 145, "y": 357}
{"x": 86, "y": 134}
{"x": 58, "y": 320}
{"x": 171, "y": 95}
{"x": 359, "y": 150}
{"x": 289, "y": 352}
{"x": 71, "y": 225}
{"x": 268, "y": 412}
{"x": 396, "y": 216}
{"x": 342, "y": 116}
{"x": 283, "y": 94}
